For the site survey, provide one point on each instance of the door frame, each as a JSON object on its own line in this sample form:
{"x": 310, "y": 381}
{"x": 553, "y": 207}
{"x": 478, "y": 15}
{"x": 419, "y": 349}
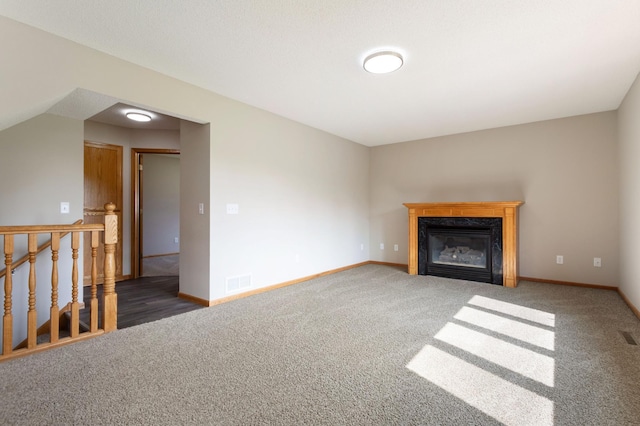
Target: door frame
{"x": 136, "y": 225}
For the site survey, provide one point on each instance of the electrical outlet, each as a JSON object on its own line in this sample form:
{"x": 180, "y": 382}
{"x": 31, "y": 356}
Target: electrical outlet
{"x": 395, "y": 247}
{"x": 559, "y": 260}
{"x": 175, "y": 240}
{"x": 597, "y": 262}
{"x": 361, "y": 247}
{"x": 381, "y": 246}
{"x": 64, "y": 207}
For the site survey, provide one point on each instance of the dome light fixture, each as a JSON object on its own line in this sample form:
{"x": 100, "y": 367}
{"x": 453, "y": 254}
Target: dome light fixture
{"x": 383, "y": 62}
{"x": 138, "y": 116}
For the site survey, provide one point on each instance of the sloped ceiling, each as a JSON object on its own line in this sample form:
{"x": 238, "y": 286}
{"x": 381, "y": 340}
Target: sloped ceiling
{"x": 469, "y": 65}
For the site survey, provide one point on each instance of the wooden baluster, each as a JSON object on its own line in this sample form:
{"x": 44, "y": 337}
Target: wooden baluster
{"x": 75, "y": 306}
{"x": 54, "y": 315}
{"x": 95, "y": 241}
{"x": 109, "y": 296}
{"x": 32, "y": 314}
{"x": 7, "y": 319}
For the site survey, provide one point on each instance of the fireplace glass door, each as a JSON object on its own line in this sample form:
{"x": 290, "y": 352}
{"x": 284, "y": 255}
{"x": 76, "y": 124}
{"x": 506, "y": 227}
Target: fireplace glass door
{"x": 459, "y": 252}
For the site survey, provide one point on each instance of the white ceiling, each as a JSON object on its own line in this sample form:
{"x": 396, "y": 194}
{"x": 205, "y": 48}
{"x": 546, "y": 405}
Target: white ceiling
{"x": 117, "y": 115}
{"x": 469, "y": 64}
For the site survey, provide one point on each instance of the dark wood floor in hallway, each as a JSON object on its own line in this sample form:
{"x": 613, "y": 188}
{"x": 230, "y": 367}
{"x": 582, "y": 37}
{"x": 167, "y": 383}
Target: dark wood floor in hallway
{"x": 145, "y": 300}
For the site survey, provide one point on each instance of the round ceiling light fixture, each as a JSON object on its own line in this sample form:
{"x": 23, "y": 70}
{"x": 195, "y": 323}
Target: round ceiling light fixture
{"x": 138, "y": 116}
{"x": 383, "y": 62}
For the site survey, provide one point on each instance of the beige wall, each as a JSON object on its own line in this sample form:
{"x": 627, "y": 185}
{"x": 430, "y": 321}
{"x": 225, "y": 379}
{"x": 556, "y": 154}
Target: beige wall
{"x": 629, "y": 157}
{"x": 41, "y": 165}
{"x": 303, "y": 199}
{"x": 161, "y": 204}
{"x": 195, "y": 228}
{"x": 564, "y": 170}
{"x": 303, "y": 193}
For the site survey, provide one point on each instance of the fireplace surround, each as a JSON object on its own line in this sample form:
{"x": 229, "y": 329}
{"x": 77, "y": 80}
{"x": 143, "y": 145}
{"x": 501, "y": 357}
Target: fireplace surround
{"x": 462, "y": 232}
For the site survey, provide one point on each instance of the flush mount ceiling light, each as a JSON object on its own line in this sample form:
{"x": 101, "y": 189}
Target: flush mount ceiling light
{"x": 383, "y": 62}
{"x": 138, "y": 116}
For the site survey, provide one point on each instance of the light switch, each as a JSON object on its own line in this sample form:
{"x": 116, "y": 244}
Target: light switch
{"x": 233, "y": 209}
{"x": 201, "y": 208}
{"x": 64, "y": 207}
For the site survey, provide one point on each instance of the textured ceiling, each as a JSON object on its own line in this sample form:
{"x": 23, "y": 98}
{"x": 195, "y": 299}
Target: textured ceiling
{"x": 469, "y": 65}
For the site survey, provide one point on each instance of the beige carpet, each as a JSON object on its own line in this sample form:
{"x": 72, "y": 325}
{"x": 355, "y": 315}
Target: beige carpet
{"x": 369, "y": 346}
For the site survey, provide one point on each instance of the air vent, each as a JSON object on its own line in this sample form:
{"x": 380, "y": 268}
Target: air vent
{"x": 238, "y": 283}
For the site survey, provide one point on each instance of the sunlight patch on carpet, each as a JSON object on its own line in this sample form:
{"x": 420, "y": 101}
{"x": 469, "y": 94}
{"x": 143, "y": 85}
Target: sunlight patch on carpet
{"x": 523, "y": 361}
{"x": 533, "y": 315}
{"x": 517, "y": 330}
{"x": 494, "y": 396}
{"x": 523, "y": 349}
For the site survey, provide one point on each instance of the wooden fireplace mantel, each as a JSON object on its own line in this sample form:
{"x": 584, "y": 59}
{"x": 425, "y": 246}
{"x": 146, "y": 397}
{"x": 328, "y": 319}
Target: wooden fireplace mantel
{"x": 507, "y": 210}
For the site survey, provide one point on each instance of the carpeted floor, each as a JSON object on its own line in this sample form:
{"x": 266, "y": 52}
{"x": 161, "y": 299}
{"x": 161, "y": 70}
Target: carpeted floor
{"x": 371, "y": 345}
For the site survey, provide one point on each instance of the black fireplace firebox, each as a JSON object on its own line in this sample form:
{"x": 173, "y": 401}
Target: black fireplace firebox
{"x": 468, "y": 248}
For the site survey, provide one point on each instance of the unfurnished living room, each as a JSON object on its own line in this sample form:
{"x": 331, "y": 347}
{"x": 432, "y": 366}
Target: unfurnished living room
{"x": 390, "y": 212}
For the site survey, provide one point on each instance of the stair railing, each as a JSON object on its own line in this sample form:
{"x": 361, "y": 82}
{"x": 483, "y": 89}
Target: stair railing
{"x": 109, "y": 230}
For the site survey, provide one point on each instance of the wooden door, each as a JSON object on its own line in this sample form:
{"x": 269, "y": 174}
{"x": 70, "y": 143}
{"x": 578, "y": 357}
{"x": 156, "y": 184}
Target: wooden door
{"x": 102, "y": 184}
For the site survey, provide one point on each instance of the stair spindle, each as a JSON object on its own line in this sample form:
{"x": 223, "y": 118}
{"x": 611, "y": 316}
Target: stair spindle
{"x": 95, "y": 241}
{"x": 75, "y": 306}
{"x": 54, "y": 316}
{"x": 7, "y": 319}
{"x": 32, "y": 314}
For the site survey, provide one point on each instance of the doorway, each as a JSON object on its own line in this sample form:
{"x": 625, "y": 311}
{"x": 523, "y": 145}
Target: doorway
{"x": 154, "y": 239}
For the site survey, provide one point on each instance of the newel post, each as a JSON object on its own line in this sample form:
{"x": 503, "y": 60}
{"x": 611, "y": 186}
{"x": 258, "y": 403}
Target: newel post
{"x": 109, "y": 296}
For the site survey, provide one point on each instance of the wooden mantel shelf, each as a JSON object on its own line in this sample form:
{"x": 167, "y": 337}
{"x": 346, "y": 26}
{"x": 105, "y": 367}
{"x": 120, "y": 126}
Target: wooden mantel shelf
{"x": 507, "y": 210}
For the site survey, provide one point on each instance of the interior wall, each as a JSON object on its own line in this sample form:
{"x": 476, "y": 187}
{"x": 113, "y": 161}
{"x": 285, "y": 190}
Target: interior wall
{"x": 195, "y": 222}
{"x": 161, "y": 204}
{"x": 302, "y": 196}
{"x": 629, "y": 157}
{"x": 285, "y": 176}
{"x": 564, "y": 170}
{"x": 41, "y": 165}
{"x": 129, "y": 138}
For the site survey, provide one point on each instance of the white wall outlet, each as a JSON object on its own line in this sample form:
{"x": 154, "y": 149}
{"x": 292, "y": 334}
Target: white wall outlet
{"x": 176, "y": 240}
{"x": 201, "y": 208}
{"x": 64, "y": 207}
{"x": 597, "y": 262}
{"x": 559, "y": 260}
{"x": 381, "y": 246}
{"x": 395, "y": 247}
{"x": 361, "y": 247}
{"x": 233, "y": 209}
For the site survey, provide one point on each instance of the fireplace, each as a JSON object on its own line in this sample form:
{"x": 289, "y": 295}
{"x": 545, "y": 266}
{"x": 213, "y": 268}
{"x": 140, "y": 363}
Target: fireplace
{"x": 462, "y": 248}
{"x": 465, "y": 230}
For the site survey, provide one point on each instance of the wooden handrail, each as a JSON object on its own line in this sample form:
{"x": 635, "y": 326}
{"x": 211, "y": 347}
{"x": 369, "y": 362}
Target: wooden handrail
{"x": 44, "y": 229}
{"x": 109, "y": 232}
{"x": 42, "y": 248}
